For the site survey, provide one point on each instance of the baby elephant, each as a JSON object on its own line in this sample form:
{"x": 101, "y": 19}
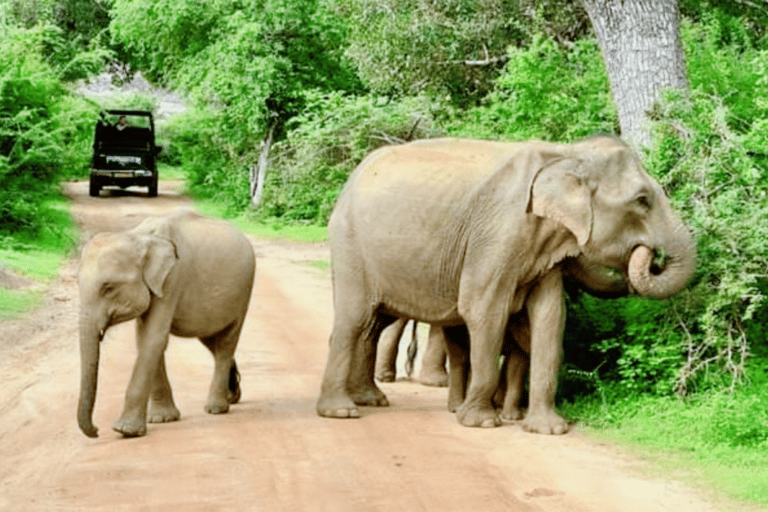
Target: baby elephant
{"x": 183, "y": 275}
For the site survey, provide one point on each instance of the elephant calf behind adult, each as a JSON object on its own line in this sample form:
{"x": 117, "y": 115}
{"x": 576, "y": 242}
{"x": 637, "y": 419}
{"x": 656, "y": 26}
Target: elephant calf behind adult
{"x": 465, "y": 232}
{"x": 183, "y": 275}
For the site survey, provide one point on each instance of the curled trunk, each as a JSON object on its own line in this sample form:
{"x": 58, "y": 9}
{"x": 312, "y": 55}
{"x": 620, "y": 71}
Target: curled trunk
{"x": 90, "y": 337}
{"x": 661, "y": 280}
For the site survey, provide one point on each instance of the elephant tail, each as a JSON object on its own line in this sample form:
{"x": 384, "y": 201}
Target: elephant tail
{"x": 412, "y": 349}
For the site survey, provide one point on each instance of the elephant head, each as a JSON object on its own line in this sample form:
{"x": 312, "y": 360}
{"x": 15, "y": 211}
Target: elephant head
{"x": 620, "y": 216}
{"x": 119, "y": 277}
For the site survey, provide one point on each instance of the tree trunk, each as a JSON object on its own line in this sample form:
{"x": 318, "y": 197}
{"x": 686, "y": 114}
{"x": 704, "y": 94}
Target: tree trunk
{"x": 641, "y": 47}
{"x": 259, "y": 170}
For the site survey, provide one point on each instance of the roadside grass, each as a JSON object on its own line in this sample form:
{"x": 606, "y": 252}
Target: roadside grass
{"x": 170, "y": 172}
{"x": 14, "y": 304}
{"x": 715, "y": 441}
{"x": 37, "y": 258}
{"x": 323, "y": 265}
{"x": 264, "y": 228}
{"x": 246, "y": 221}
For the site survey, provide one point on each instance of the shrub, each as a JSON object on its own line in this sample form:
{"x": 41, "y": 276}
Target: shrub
{"x": 44, "y": 131}
{"x": 325, "y": 144}
{"x": 547, "y": 92}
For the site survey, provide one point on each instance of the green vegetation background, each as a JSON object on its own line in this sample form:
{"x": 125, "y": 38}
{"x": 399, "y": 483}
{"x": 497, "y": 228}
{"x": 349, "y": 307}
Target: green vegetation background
{"x": 333, "y": 80}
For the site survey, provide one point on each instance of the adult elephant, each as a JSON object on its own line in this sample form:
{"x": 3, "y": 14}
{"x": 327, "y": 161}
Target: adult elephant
{"x": 467, "y": 232}
{"x": 183, "y": 275}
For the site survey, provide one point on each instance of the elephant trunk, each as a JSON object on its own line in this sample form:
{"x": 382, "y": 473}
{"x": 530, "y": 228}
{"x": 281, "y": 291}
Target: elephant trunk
{"x": 90, "y": 339}
{"x": 662, "y": 280}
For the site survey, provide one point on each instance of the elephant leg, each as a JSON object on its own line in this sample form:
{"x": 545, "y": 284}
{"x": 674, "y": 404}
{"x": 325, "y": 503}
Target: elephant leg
{"x": 433, "y": 363}
{"x": 386, "y": 351}
{"x": 223, "y": 346}
{"x": 151, "y": 340}
{"x": 515, "y": 369}
{"x": 352, "y": 322}
{"x": 546, "y": 315}
{"x": 486, "y": 319}
{"x": 456, "y": 343}
{"x": 361, "y": 385}
{"x": 235, "y": 391}
{"x": 162, "y": 409}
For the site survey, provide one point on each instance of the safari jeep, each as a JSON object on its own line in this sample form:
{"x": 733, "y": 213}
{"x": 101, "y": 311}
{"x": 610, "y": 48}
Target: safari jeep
{"x": 124, "y": 151}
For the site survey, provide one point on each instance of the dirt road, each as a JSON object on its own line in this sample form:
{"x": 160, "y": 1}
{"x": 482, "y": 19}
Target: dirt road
{"x": 271, "y": 452}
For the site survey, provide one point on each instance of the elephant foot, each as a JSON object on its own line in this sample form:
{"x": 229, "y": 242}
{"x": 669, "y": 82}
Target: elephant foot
{"x": 130, "y": 428}
{"x": 234, "y": 392}
{"x": 217, "y": 407}
{"x": 337, "y": 407}
{"x": 385, "y": 376}
{"x": 511, "y": 414}
{"x": 163, "y": 413}
{"x": 234, "y": 396}
{"x": 547, "y": 422}
{"x": 371, "y": 396}
{"x": 435, "y": 377}
{"x": 484, "y": 417}
{"x": 454, "y": 402}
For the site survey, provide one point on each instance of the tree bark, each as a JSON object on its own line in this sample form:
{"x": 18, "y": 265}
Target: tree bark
{"x": 640, "y": 41}
{"x": 259, "y": 170}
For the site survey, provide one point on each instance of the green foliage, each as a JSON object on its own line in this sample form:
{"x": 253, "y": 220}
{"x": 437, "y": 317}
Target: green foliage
{"x": 135, "y": 100}
{"x": 326, "y": 143}
{"x": 414, "y": 46}
{"x": 69, "y": 34}
{"x": 701, "y": 159}
{"x": 546, "y": 91}
{"x": 453, "y": 48}
{"x": 14, "y": 303}
{"x": 749, "y": 14}
{"x": 249, "y": 67}
{"x": 723, "y": 62}
{"x": 252, "y": 59}
{"x": 201, "y": 150}
{"x": 42, "y": 131}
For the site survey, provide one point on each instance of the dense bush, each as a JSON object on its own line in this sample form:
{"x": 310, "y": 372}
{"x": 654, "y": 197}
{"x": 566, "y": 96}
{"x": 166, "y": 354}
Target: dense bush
{"x": 44, "y": 131}
{"x": 546, "y": 91}
{"x": 329, "y": 140}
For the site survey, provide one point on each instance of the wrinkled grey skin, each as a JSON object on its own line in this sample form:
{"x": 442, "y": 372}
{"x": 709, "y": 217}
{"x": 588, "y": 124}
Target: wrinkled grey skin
{"x": 463, "y": 232}
{"x": 183, "y": 275}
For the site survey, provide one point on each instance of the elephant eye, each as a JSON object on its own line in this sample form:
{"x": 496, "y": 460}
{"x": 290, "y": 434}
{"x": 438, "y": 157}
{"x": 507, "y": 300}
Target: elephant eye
{"x": 107, "y": 289}
{"x": 644, "y": 200}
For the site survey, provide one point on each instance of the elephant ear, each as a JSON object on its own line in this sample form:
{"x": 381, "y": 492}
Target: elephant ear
{"x": 560, "y": 192}
{"x": 159, "y": 259}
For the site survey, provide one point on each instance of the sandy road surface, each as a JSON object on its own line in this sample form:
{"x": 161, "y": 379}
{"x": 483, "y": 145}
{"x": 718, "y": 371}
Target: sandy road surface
{"x": 271, "y": 452}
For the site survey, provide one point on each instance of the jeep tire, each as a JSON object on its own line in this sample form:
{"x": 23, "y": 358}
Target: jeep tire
{"x": 94, "y": 188}
{"x": 153, "y": 186}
